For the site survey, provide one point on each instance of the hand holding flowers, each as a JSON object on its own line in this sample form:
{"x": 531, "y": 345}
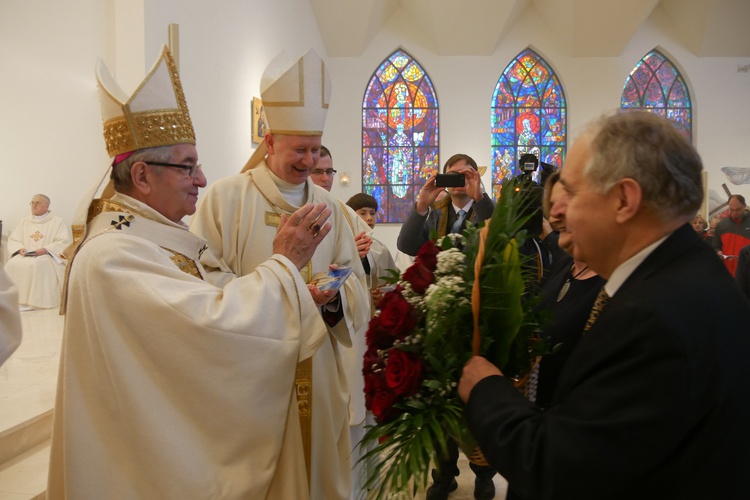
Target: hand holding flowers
{"x": 422, "y": 336}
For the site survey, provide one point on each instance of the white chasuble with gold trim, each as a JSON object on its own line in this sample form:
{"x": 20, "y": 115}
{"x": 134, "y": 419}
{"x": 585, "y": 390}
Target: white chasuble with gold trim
{"x": 232, "y": 217}
{"x": 168, "y": 385}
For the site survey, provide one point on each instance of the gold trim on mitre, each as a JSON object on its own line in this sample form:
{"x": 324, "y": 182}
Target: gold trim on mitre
{"x": 296, "y": 97}
{"x": 155, "y": 115}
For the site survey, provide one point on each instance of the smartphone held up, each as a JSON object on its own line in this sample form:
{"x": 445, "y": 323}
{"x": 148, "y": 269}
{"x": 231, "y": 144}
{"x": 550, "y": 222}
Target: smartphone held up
{"x": 450, "y": 180}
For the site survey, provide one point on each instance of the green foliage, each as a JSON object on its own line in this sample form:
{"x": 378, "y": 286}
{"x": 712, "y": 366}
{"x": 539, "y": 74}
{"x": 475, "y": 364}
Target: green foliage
{"x": 409, "y": 443}
{"x": 392, "y": 277}
{"x": 405, "y": 446}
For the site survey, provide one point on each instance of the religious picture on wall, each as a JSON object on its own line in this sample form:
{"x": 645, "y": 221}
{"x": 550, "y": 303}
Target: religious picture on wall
{"x": 259, "y": 121}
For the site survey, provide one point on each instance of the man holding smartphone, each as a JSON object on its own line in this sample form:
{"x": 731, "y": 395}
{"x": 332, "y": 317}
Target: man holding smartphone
{"x": 465, "y": 201}
{"x": 449, "y": 214}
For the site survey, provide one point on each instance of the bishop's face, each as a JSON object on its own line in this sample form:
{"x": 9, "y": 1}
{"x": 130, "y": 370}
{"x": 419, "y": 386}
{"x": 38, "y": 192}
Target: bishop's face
{"x": 173, "y": 193}
{"x": 292, "y": 157}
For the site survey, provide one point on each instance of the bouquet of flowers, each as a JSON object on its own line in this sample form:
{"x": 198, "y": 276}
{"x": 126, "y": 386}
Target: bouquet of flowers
{"x": 464, "y": 295}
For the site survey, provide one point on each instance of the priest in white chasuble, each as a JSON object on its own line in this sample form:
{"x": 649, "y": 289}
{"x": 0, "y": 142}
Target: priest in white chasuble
{"x": 37, "y": 266}
{"x": 238, "y": 217}
{"x": 170, "y": 387}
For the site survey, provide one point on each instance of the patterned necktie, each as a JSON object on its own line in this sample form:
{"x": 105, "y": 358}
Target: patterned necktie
{"x": 599, "y": 303}
{"x": 459, "y": 220}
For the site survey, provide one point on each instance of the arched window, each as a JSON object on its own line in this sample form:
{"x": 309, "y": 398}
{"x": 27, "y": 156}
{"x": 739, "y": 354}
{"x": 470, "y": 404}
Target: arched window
{"x": 528, "y": 116}
{"x": 656, "y": 85}
{"x": 399, "y": 135}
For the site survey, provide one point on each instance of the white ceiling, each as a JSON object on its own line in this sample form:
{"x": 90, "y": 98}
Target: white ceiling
{"x": 709, "y": 28}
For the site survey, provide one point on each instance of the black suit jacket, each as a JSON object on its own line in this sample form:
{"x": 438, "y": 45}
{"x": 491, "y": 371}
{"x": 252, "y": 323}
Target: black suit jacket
{"x": 743, "y": 271}
{"x": 653, "y": 403}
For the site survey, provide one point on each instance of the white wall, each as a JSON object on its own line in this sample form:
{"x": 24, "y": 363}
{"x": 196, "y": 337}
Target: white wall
{"x": 50, "y": 129}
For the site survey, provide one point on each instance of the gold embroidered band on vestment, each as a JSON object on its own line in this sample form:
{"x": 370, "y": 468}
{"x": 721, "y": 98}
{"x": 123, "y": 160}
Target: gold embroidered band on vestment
{"x": 101, "y": 205}
{"x": 303, "y": 375}
{"x": 304, "y": 393}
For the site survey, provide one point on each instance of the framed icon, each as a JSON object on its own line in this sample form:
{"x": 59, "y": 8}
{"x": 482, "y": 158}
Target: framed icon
{"x": 259, "y": 121}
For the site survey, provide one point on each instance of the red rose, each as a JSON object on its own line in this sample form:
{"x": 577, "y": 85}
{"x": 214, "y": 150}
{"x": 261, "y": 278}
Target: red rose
{"x": 376, "y": 335}
{"x": 403, "y": 372}
{"x": 382, "y": 406}
{"x": 427, "y": 255}
{"x": 420, "y": 277}
{"x": 374, "y": 382}
{"x": 397, "y": 318}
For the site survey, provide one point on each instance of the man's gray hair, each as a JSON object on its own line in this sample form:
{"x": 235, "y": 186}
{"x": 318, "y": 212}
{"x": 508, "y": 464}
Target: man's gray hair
{"x": 121, "y": 172}
{"x": 649, "y": 149}
{"x": 42, "y": 196}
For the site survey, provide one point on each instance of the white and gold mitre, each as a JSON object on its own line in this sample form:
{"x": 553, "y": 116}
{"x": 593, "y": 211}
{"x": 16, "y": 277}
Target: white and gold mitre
{"x": 155, "y": 115}
{"x": 296, "y": 96}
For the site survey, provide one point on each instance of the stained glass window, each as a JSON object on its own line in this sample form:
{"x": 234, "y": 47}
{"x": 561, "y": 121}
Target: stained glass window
{"x": 656, "y": 85}
{"x": 399, "y": 135}
{"x": 528, "y": 116}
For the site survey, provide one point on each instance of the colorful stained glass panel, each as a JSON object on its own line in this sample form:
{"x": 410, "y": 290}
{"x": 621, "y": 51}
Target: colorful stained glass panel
{"x": 399, "y": 135}
{"x": 528, "y": 115}
{"x": 656, "y": 85}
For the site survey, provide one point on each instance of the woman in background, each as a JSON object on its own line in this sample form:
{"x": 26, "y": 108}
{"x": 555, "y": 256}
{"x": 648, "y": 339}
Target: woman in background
{"x": 568, "y": 292}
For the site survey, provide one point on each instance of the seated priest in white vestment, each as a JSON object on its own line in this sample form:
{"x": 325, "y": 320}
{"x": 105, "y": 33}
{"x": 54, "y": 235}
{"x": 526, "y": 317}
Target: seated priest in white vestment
{"x": 36, "y": 265}
{"x": 170, "y": 387}
{"x": 10, "y": 321}
{"x": 238, "y": 217}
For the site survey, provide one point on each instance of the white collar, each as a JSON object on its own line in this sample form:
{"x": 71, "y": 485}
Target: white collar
{"x": 466, "y": 208}
{"x": 292, "y": 193}
{"x": 624, "y": 270}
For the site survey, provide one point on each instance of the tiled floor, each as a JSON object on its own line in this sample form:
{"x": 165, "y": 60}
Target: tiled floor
{"x": 465, "y": 480}
{"x": 28, "y": 378}
{"x": 27, "y": 389}
{"x": 27, "y": 392}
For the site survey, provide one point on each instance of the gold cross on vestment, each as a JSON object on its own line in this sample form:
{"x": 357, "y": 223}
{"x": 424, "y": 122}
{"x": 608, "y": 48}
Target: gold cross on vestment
{"x": 37, "y": 236}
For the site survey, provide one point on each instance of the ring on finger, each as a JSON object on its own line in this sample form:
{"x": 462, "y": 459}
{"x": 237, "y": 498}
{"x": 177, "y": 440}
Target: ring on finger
{"x": 314, "y": 229}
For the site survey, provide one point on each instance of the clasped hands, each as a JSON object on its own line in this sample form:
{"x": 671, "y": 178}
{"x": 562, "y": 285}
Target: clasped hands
{"x": 41, "y": 251}
{"x": 364, "y": 242}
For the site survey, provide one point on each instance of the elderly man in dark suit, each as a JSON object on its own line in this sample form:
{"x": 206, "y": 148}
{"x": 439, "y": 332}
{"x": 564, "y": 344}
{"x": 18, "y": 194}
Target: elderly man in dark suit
{"x": 654, "y": 402}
